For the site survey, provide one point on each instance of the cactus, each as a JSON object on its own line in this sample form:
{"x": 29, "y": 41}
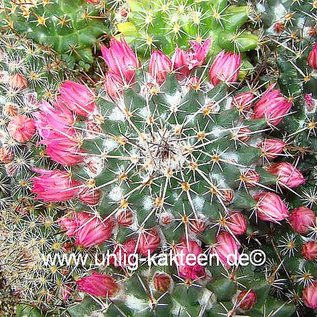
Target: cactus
{"x": 70, "y": 28}
{"x": 171, "y": 161}
{"x": 169, "y": 24}
{"x": 289, "y": 29}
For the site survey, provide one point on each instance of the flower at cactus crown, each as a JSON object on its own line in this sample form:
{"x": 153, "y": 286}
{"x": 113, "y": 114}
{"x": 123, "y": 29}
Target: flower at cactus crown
{"x": 180, "y": 64}
{"x": 237, "y": 223}
{"x": 270, "y": 207}
{"x": 53, "y": 118}
{"x": 121, "y": 60}
{"x": 310, "y": 295}
{"x": 226, "y": 248}
{"x": 54, "y": 186}
{"x": 98, "y": 284}
{"x": 113, "y": 85}
{"x": 225, "y": 67}
{"x": 243, "y": 101}
{"x": 159, "y": 66}
{"x": 87, "y": 229}
{"x": 21, "y": 128}
{"x": 189, "y": 269}
{"x": 184, "y": 62}
{"x": 148, "y": 241}
{"x": 246, "y": 299}
{"x": 61, "y": 140}
{"x": 77, "y": 98}
{"x": 287, "y": 174}
{"x": 309, "y": 250}
{"x": 301, "y": 219}
{"x": 271, "y": 148}
{"x": 312, "y": 57}
{"x": 197, "y": 53}
{"x": 272, "y": 106}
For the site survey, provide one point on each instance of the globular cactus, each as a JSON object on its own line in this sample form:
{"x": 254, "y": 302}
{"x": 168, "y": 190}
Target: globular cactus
{"x": 173, "y": 158}
{"x": 168, "y": 24}
{"x": 70, "y": 28}
{"x": 289, "y": 29}
{"x": 28, "y": 73}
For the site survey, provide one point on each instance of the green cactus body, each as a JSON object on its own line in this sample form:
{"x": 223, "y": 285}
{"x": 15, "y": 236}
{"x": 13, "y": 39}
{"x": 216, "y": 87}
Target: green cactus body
{"x": 169, "y": 24}
{"x": 71, "y": 28}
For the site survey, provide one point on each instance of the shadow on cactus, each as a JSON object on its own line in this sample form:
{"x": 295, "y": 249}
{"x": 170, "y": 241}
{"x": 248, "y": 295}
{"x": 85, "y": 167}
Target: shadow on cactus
{"x": 71, "y": 28}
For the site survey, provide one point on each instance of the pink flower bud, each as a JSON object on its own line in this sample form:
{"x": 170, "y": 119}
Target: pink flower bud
{"x": 54, "y": 186}
{"x": 162, "y": 282}
{"x": 301, "y": 219}
{"x": 197, "y": 53}
{"x": 6, "y": 155}
{"x": 66, "y": 292}
{"x": 243, "y": 100}
{"x": 159, "y": 66}
{"x": 121, "y": 60}
{"x": 227, "y": 196}
{"x": 309, "y": 250}
{"x": 237, "y": 223}
{"x": 184, "y": 62}
{"x": 225, "y": 67}
{"x": 312, "y": 57}
{"x": 271, "y": 148}
{"x": 246, "y": 299}
{"x": 166, "y": 218}
{"x": 309, "y": 102}
{"x": 18, "y": 81}
{"x": 123, "y": 254}
{"x": 149, "y": 241}
{"x": 113, "y": 85}
{"x": 310, "y": 295}
{"x": 251, "y": 178}
{"x": 90, "y": 196}
{"x": 21, "y": 128}
{"x": 125, "y": 217}
{"x": 180, "y": 64}
{"x": 187, "y": 254}
{"x": 226, "y": 248}
{"x": 99, "y": 285}
{"x": 77, "y": 98}
{"x": 287, "y": 174}
{"x": 244, "y": 134}
{"x": 87, "y": 229}
{"x": 272, "y": 106}
{"x": 53, "y": 118}
{"x": 270, "y": 207}
{"x": 197, "y": 225}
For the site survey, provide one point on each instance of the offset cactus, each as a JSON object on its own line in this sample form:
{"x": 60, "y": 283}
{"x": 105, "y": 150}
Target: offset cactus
{"x": 70, "y": 28}
{"x": 289, "y": 37}
{"x": 169, "y": 24}
{"x": 168, "y": 160}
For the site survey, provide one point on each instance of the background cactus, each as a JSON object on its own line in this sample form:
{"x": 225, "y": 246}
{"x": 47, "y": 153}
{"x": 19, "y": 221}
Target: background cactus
{"x": 70, "y": 28}
{"x": 166, "y": 25}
